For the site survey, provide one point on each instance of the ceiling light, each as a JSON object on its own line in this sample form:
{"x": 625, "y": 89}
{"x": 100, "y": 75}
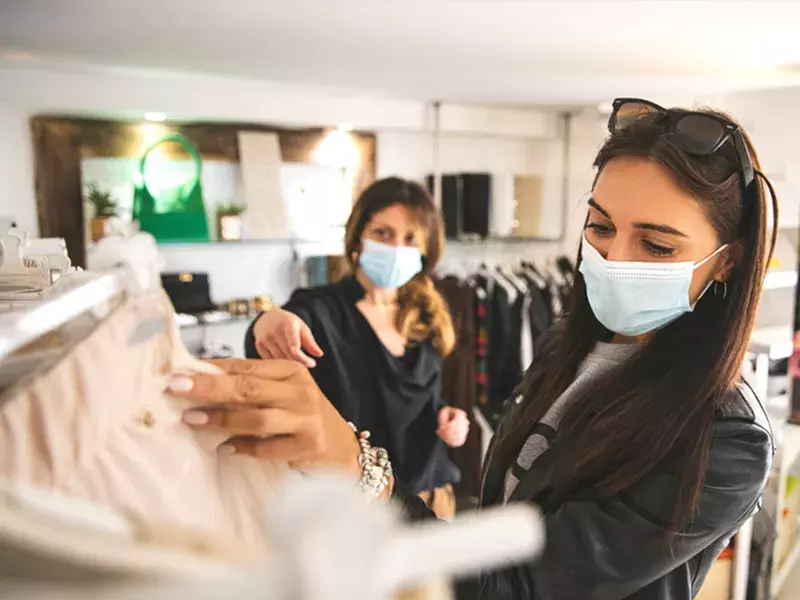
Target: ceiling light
{"x": 345, "y": 127}
{"x": 337, "y": 149}
{"x": 155, "y": 116}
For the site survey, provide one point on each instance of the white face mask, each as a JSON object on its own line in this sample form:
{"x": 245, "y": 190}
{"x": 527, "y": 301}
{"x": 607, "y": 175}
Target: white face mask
{"x": 389, "y": 267}
{"x": 632, "y": 298}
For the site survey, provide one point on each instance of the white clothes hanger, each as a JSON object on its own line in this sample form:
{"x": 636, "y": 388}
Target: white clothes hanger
{"x": 18, "y": 274}
{"x": 515, "y": 279}
{"x": 327, "y": 543}
{"x": 29, "y": 266}
{"x": 124, "y": 265}
{"x": 534, "y": 275}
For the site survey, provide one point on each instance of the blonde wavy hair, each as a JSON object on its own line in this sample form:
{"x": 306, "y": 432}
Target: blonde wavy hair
{"x": 423, "y": 313}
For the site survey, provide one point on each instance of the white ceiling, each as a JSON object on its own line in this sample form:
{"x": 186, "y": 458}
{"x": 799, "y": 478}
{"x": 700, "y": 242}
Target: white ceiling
{"x": 521, "y": 52}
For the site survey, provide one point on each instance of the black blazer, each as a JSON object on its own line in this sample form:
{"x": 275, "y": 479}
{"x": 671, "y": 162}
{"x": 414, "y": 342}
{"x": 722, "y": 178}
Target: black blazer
{"x": 396, "y": 398}
{"x": 613, "y": 549}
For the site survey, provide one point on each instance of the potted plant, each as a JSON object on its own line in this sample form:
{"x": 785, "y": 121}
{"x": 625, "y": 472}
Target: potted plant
{"x": 229, "y": 222}
{"x": 104, "y": 208}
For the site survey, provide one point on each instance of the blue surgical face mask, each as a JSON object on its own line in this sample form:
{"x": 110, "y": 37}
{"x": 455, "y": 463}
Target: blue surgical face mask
{"x": 632, "y": 298}
{"x": 389, "y": 267}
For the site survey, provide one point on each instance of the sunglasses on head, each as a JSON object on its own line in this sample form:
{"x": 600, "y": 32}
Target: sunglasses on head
{"x": 697, "y": 133}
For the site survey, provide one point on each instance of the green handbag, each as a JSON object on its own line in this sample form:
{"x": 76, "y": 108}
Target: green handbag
{"x": 175, "y": 214}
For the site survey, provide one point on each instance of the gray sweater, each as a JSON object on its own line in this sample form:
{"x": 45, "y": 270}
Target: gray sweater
{"x": 600, "y": 360}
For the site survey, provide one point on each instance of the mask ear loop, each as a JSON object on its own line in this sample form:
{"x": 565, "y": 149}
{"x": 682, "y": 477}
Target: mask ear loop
{"x": 712, "y": 282}
{"x": 709, "y": 257}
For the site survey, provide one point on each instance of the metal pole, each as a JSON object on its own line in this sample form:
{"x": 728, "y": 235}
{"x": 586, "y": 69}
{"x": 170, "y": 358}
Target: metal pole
{"x": 566, "y": 173}
{"x": 437, "y": 174}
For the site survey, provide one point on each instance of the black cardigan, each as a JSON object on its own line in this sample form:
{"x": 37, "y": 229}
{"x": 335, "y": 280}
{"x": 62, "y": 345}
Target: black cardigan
{"x": 396, "y": 399}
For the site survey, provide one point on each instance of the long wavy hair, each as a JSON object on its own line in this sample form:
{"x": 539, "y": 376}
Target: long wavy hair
{"x": 423, "y": 313}
{"x": 659, "y": 406}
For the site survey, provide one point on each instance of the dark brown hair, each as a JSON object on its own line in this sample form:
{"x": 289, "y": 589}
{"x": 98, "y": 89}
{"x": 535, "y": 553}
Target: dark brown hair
{"x": 658, "y": 407}
{"x": 423, "y": 313}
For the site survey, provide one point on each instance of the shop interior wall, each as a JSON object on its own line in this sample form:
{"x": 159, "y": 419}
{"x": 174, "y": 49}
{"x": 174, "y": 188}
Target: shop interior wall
{"x": 477, "y": 139}
{"x": 772, "y": 120}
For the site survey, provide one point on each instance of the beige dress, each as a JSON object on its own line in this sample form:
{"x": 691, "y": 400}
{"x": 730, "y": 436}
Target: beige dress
{"x": 98, "y": 426}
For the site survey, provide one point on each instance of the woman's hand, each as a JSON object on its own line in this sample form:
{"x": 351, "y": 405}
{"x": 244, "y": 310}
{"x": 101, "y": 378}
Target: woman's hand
{"x": 283, "y": 335}
{"x": 453, "y": 426}
{"x": 272, "y": 410}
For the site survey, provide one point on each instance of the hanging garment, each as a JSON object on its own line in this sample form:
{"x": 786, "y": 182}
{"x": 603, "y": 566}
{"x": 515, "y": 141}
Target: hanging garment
{"x": 98, "y": 426}
{"x": 510, "y": 373}
{"x": 540, "y": 318}
{"x": 46, "y": 537}
{"x": 458, "y": 381}
{"x": 176, "y": 214}
{"x": 526, "y": 334}
{"x": 482, "y": 349}
{"x": 500, "y": 342}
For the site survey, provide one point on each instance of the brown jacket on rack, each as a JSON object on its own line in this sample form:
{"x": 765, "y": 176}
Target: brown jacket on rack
{"x": 458, "y": 381}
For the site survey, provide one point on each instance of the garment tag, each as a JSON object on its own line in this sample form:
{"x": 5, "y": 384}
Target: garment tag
{"x": 146, "y": 330}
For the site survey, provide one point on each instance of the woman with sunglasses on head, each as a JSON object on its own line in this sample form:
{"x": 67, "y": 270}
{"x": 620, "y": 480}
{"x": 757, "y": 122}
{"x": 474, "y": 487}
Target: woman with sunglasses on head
{"x": 633, "y": 430}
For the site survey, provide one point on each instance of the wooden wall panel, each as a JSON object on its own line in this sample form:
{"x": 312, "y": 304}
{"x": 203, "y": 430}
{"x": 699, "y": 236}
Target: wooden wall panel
{"x": 61, "y": 142}
{"x": 57, "y": 173}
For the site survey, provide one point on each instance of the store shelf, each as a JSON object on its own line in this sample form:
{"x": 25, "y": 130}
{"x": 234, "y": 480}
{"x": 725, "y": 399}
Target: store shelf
{"x": 776, "y": 342}
{"x": 477, "y": 241}
{"x": 776, "y": 280}
{"x": 220, "y": 321}
{"x": 249, "y": 242}
{"x": 790, "y": 461}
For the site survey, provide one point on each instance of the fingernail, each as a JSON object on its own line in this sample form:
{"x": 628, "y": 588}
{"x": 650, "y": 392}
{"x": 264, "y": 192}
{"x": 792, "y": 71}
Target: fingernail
{"x": 180, "y": 384}
{"x": 226, "y": 449}
{"x": 195, "y": 417}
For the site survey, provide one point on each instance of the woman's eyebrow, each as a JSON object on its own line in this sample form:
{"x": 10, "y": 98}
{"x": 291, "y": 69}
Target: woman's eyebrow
{"x": 647, "y": 226}
{"x": 593, "y": 203}
{"x": 660, "y": 228}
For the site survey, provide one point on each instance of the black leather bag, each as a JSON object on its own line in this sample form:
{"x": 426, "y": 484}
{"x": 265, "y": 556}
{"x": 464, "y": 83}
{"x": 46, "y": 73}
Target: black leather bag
{"x": 190, "y": 292}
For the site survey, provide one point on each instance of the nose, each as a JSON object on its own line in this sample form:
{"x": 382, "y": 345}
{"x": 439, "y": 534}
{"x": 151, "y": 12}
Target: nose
{"x": 620, "y": 250}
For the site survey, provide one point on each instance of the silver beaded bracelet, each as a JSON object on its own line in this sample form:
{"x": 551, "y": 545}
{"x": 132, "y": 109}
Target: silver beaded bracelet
{"x": 376, "y": 468}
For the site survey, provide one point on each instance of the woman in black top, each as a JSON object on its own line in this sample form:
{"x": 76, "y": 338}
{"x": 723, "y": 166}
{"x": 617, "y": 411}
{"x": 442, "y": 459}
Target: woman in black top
{"x": 633, "y": 430}
{"x": 377, "y": 338}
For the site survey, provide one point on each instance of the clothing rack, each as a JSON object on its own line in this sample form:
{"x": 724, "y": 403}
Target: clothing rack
{"x": 124, "y": 265}
{"x": 17, "y": 329}
{"x": 499, "y": 308}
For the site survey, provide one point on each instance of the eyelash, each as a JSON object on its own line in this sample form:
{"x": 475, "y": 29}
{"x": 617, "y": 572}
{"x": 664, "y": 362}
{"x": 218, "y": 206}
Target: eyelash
{"x": 657, "y": 250}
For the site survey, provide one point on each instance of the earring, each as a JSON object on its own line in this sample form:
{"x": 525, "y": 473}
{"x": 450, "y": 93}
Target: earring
{"x": 721, "y": 289}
